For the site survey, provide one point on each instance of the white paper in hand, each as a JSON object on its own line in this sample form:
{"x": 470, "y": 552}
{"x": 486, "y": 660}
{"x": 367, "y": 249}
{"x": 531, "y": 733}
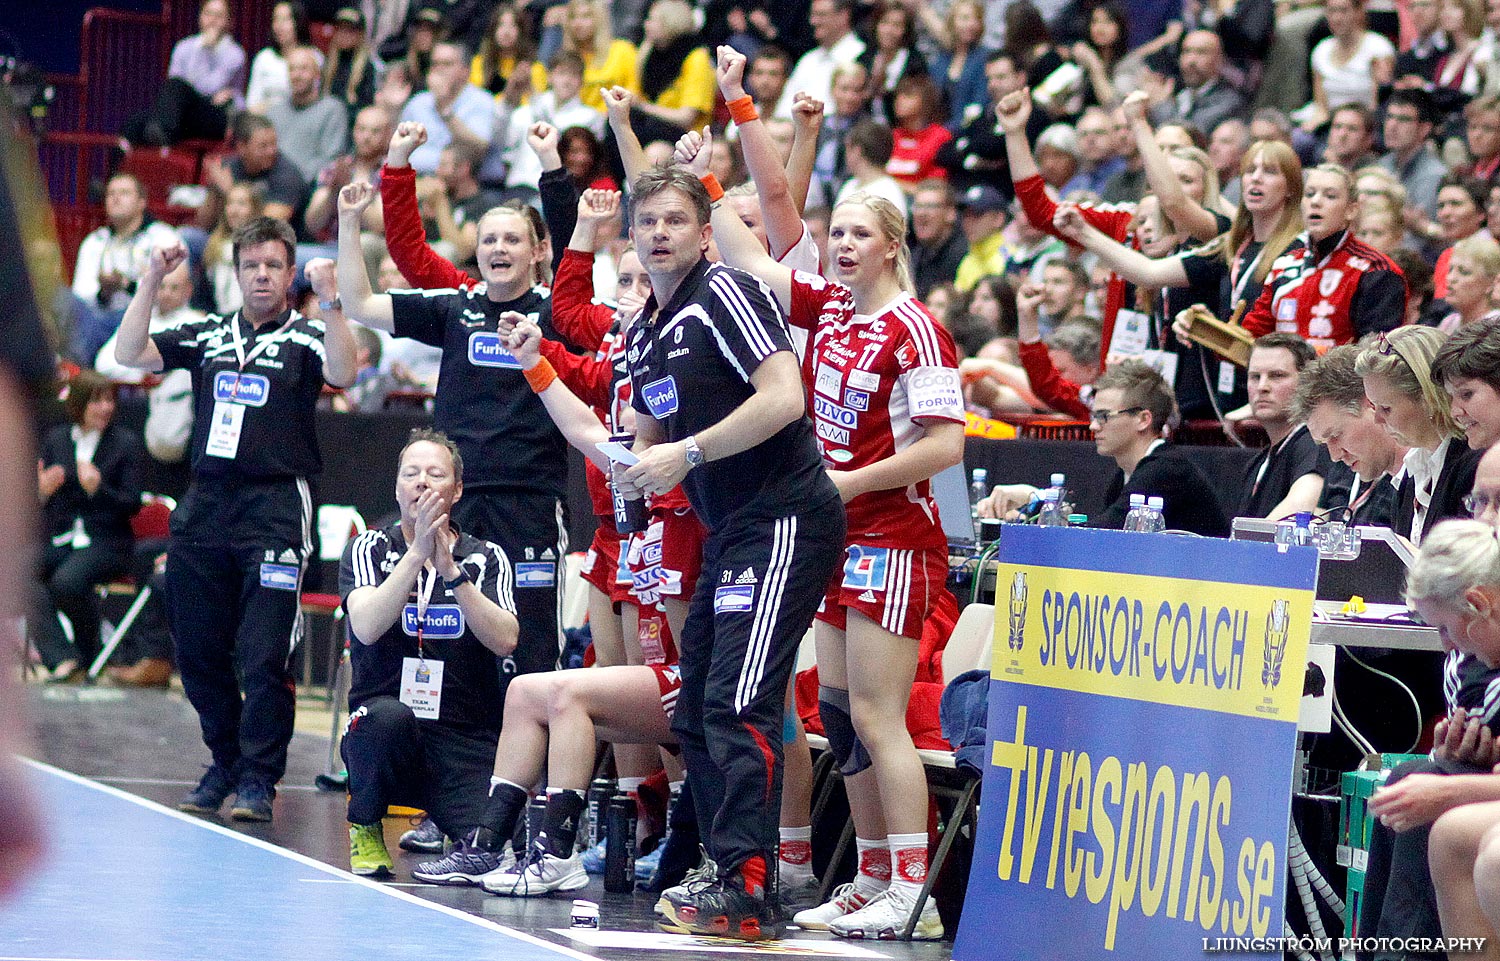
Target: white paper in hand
{"x": 618, "y": 453}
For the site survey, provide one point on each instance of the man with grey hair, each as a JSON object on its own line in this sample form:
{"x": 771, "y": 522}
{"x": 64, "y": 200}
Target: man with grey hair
{"x": 311, "y": 128}
{"x": 1330, "y": 400}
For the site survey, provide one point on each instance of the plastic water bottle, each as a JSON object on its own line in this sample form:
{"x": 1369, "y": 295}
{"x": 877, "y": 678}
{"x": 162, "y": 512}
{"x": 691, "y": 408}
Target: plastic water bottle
{"x": 979, "y": 489}
{"x": 1133, "y": 516}
{"x": 1154, "y": 521}
{"x": 1059, "y": 484}
{"x": 1303, "y": 535}
{"x": 1052, "y": 513}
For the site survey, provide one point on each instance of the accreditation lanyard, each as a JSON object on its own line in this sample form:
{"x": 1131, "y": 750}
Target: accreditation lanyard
{"x": 1238, "y": 280}
{"x": 261, "y": 344}
{"x": 424, "y": 597}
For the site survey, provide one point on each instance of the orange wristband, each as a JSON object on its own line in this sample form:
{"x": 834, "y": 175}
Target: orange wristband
{"x": 541, "y": 376}
{"x": 711, "y": 184}
{"x": 743, "y": 110}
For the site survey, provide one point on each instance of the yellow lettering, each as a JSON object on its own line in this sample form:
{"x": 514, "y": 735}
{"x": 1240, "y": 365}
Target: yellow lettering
{"x": 1108, "y": 782}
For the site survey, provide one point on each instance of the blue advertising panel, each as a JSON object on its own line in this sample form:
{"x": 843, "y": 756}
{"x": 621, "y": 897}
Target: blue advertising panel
{"x": 1143, "y": 711}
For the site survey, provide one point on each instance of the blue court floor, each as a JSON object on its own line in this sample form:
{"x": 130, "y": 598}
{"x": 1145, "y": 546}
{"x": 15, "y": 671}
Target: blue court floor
{"x": 130, "y": 880}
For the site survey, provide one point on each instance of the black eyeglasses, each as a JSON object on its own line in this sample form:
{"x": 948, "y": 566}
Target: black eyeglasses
{"x": 1101, "y": 417}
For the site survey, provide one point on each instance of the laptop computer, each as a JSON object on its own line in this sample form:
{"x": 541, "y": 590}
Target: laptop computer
{"x": 950, "y": 489}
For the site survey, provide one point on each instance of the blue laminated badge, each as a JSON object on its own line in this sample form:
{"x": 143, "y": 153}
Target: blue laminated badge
{"x": 443, "y": 621}
{"x": 661, "y": 397}
{"x": 733, "y": 597}
{"x": 865, "y": 567}
{"x": 487, "y": 349}
{"x": 281, "y": 577}
{"x": 536, "y": 574}
{"x": 252, "y": 390}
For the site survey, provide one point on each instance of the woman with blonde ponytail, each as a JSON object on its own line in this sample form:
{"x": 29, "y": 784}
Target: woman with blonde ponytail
{"x": 883, "y": 392}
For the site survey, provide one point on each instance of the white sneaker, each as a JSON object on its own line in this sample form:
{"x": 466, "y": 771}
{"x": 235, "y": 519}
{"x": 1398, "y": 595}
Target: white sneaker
{"x": 845, "y": 900}
{"x": 539, "y": 874}
{"x": 884, "y": 918}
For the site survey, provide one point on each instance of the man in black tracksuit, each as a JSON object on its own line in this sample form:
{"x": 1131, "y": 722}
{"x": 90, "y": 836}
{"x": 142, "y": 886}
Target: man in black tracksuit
{"x": 430, "y": 608}
{"x": 242, "y": 534}
{"x": 719, "y": 407}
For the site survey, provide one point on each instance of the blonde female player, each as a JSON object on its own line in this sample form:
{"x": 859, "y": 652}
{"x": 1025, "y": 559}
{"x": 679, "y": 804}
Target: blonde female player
{"x": 883, "y": 387}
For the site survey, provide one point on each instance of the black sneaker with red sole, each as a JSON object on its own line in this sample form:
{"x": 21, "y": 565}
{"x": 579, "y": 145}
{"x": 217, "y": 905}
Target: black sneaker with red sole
{"x": 721, "y": 909}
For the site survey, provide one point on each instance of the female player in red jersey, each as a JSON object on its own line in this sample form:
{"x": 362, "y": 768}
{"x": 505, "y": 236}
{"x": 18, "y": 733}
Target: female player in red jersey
{"x": 883, "y": 388}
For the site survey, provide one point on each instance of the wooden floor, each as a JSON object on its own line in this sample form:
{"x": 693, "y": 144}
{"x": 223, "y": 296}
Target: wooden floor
{"x": 130, "y": 880}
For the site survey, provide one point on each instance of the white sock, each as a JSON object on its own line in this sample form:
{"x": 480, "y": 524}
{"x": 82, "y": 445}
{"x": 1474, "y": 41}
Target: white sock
{"x": 873, "y": 873}
{"x": 908, "y": 863}
{"x": 794, "y": 854}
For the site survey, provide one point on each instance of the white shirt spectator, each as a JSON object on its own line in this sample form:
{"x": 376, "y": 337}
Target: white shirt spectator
{"x": 883, "y": 186}
{"x": 523, "y": 168}
{"x": 1352, "y": 82}
{"x": 814, "y": 72}
{"x": 268, "y": 80}
{"x": 106, "y": 364}
{"x": 103, "y": 251}
{"x": 473, "y": 106}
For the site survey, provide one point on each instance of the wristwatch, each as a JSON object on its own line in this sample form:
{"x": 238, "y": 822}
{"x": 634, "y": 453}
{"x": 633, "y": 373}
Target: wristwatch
{"x": 336, "y": 303}
{"x": 462, "y": 578}
{"x": 695, "y": 456}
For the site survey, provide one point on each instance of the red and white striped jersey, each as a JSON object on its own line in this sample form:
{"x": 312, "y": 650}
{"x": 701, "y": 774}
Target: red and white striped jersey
{"x": 869, "y": 379}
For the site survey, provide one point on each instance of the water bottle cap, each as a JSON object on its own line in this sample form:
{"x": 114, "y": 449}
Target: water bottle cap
{"x": 1137, "y": 500}
{"x": 980, "y": 474}
{"x": 1304, "y": 518}
{"x": 1078, "y": 520}
{"x": 1058, "y": 480}
{"x": 1154, "y": 502}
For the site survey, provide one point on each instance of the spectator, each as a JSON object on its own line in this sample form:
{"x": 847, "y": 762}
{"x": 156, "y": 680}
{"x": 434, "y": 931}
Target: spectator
{"x": 1205, "y": 96}
{"x": 1416, "y": 65}
{"x": 1381, "y": 225}
{"x": 243, "y": 203}
{"x": 258, "y": 160}
{"x": 350, "y": 69}
{"x": 424, "y": 30}
{"x": 1421, "y": 307}
{"x": 851, "y": 104}
{"x": 942, "y": 302}
{"x": 1288, "y": 474}
{"x": 372, "y": 132}
{"x": 111, "y": 260}
{"x": 982, "y": 209}
{"x": 1409, "y": 116}
{"x": 89, "y": 476}
{"x": 562, "y": 106}
{"x": 451, "y": 109}
{"x": 1473, "y": 267}
{"x": 986, "y": 313}
{"x": 583, "y": 155}
{"x": 892, "y": 57}
{"x": 977, "y": 154}
{"x": 453, "y": 201}
{"x": 1057, "y": 155}
{"x": 1482, "y": 138}
{"x": 676, "y": 78}
{"x": 1226, "y": 151}
{"x": 1348, "y": 66}
{"x": 1097, "y": 159}
{"x": 1268, "y": 123}
{"x": 918, "y": 133}
{"x": 311, "y": 128}
{"x": 832, "y": 22}
{"x": 1411, "y": 405}
{"x": 172, "y": 307}
{"x": 1458, "y": 69}
{"x": 395, "y": 89}
{"x": 204, "y": 81}
{"x": 1331, "y": 401}
{"x": 960, "y": 68}
{"x": 1130, "y": 183}
{"x": 506, "y": 50}
{"x": 766, "y": 81}
{"x": 270, "y": 79}
{"x": 937, "y": 246}
{"x": 1466, "y": 365}
{"x": 1351, "y": 137}
{"x": 1460, "y": 214}
{"x": 867, "y": 150}
{"x": 607, "y": 60}
{"x": 1064, "y": 286}
{"x": 1132, "y": 411}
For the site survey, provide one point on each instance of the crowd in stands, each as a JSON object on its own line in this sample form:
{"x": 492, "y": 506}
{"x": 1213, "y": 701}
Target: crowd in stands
{"x": 1052, "y": 200}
